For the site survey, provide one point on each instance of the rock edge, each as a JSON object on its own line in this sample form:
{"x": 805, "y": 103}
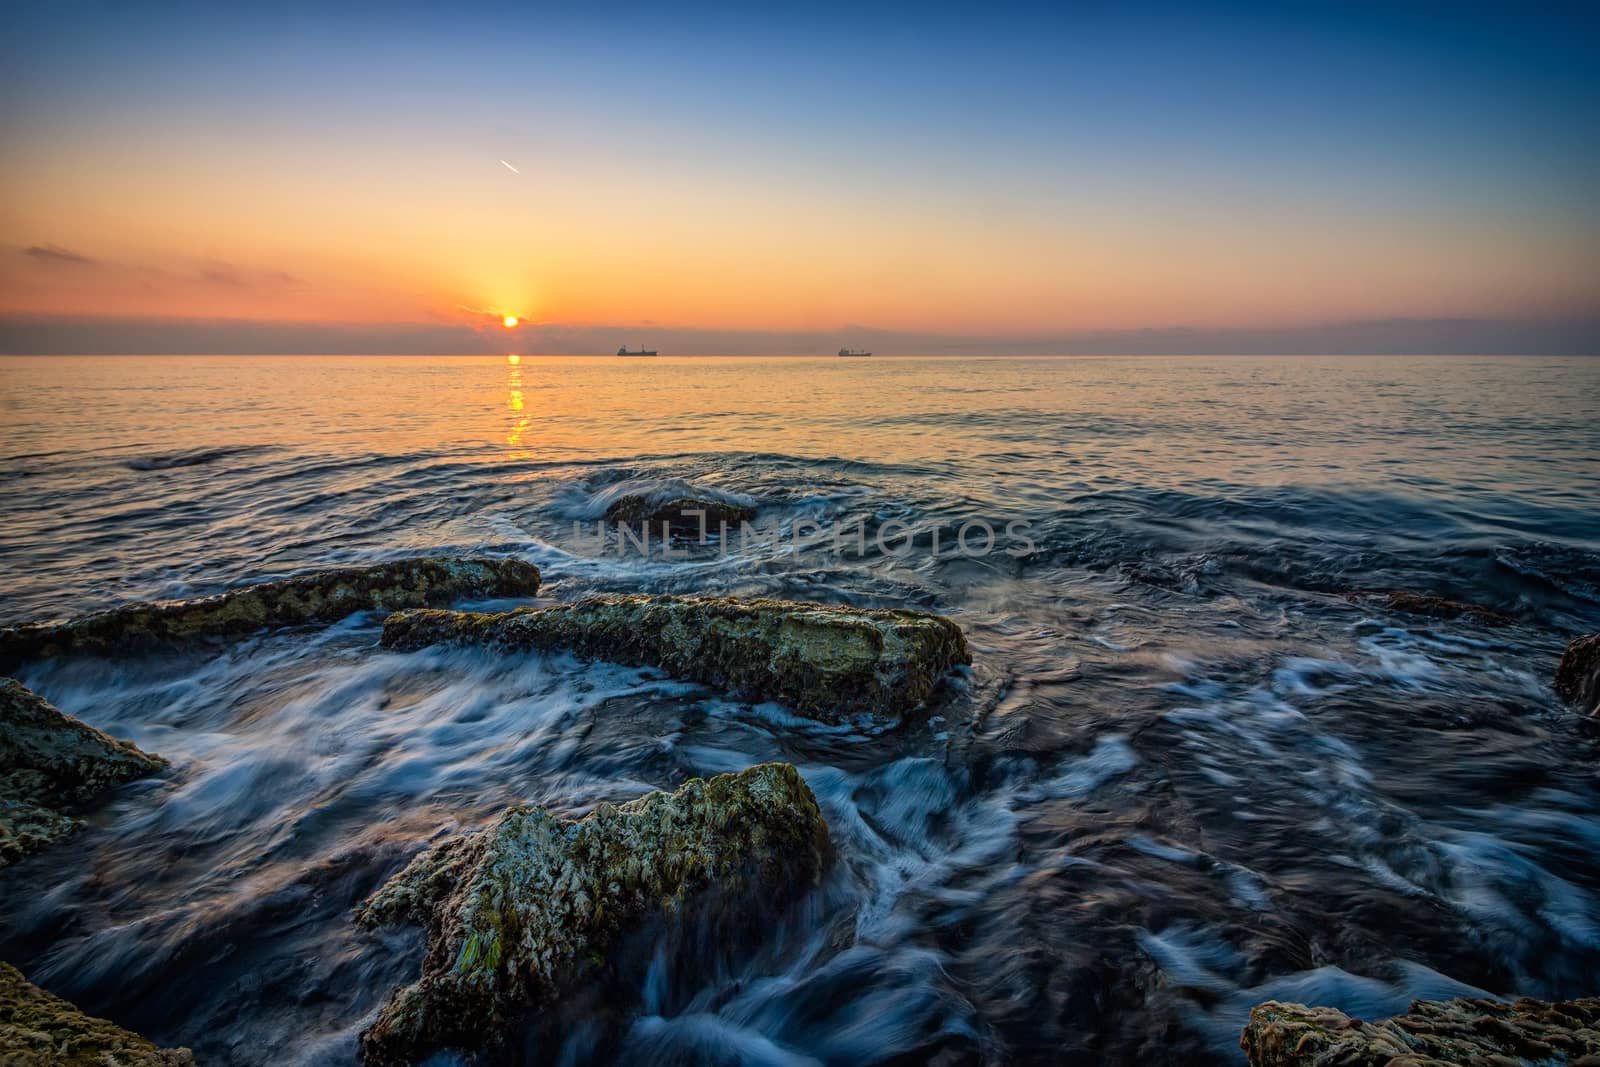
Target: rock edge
{"x": 824, "y": 661}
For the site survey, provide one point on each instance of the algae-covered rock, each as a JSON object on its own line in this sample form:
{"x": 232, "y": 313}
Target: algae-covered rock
{"x": 528, "y": 908}
{"x": 1578, "y": 677}
{"x": 822, "y": 660}
{"x": 680, "y": 514}
{"x": 319, "y": 597}
{"x": 51, "y": 766}
{"x": 1434, "y": 1032}
{"x": 40, "y": 1028}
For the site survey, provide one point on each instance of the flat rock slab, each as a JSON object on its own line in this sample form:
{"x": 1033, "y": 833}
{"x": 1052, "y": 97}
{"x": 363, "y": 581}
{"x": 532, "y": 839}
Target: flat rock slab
{"x": 1433, "y": 1034}
{"x": 826, "y": 662}
{"x": 319, "y": 597}
{"x": 40, "y": 1028}
{"x": 1578, "y": 677}
{"x": 51, "y": 767}
{"x": 520, "y": 912}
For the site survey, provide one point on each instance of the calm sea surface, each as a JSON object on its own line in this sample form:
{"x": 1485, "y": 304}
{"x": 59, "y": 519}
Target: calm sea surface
{"x": 1189, "y": 770}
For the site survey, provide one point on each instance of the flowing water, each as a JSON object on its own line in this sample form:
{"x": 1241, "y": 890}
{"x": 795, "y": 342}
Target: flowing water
{"x": 1186, "y": 772}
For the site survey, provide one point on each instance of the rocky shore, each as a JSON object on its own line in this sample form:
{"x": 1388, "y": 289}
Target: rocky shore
{"x": 39, "y": 1028}
{"x": 52, "y": 768}
{"x": 523, "y": 911}
{"x": 535, "y": 912}
{"x": 319, "y": 597}
{"x": 1431, "y": 1034}
{"x": 824, "y": 661}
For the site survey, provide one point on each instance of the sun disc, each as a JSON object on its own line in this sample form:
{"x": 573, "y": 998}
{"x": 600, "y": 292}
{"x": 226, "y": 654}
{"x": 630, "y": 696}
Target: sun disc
{"x": 510, "y": 320}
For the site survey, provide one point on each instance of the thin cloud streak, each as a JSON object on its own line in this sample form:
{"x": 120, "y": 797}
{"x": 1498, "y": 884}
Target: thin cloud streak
{"x": 57, "y": 254}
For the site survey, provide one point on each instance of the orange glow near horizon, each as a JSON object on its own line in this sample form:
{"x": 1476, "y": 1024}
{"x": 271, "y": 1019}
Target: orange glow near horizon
{"x": 706, "y": 253}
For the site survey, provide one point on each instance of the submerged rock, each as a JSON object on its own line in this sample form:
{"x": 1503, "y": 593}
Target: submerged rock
{"x": 39, "y": 1027}
{"x": 51, "y": 766}
{"x": 318, "y": 597}
{"x": 641, "y": 508}
{"x": 1438, "y": 607}
{"x": 1578, "y": 677}
{"x": 527, "y": 909}
{"x": 1434, "y": 1032}
{"x": 822, "y": 660}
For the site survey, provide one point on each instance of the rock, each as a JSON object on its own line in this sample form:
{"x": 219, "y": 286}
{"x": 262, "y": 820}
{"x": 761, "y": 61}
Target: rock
{"x": 1578, "y": 677}
{"x": 824, "y": 661}
{"x": 520, "y": 914}
{"x": 641, "y": 508}
{"x": 39, "y": 1028}
{"x": 318, "y": 597}
{"x": 1437, "y": 607}
{"x": 52, "y": 765}
{"x": 1435, "y": 1032}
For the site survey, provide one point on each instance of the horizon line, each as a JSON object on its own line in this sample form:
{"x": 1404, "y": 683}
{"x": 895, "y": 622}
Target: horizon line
{"x": 24, "y": 334}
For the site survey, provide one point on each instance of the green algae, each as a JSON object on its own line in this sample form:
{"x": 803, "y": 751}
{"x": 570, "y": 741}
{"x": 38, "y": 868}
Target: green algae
{"x": 51, "y": 766}
{"x": 519, "y": 912}
{"x": 825, "y": 661}
{"x": 1432, "y": 1034}
{"x": 37, "y": 1027}
{"x": 319, "y": 597}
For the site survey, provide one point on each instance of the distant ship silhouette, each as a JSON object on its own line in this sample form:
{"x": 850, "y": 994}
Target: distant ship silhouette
{"x": 853, "y": 353}
{"x": 623, "y": 351}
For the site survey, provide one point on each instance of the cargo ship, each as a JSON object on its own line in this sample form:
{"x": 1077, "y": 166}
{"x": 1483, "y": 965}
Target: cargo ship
{"x": 853, "y": 353}
{"x": 623, "y": 351}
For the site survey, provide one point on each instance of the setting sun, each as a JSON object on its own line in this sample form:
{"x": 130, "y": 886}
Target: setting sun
{"x": 510, "y": 321}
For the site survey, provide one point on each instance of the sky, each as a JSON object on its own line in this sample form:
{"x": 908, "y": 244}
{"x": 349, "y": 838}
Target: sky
{"x": 181, "y": 177}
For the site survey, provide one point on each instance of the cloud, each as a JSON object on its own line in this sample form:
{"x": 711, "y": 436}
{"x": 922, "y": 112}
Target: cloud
{"x": 486, "y": 317}
{"x": 57, "y": 254}
{"x": 219, "y": 272}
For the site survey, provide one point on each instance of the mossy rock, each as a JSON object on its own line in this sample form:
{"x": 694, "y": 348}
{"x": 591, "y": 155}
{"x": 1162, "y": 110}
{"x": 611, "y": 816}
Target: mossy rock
{"x": 1578, "y": 677}
{"x": 1434, "y": 1033}
{"x": 825, "y": 661}
{"x": 40, "y": 1028}
{"x": 520, "y": 912}
{"x": 319, "y": 597}
{"x": 639, "y": 508}
{"x": 52, "y": 766}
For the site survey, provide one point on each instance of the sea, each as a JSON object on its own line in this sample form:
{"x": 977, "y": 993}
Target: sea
{"x": 1198, "y": 761}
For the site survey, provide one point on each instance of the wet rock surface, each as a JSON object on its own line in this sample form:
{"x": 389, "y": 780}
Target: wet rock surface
{"x": 680, "y": 514}
{"x": 522, "y": 912}
{"x": 37, "y": 1027}
{"x": 319, "y": 597}
{"x": 1436, "y": 607}
{"x": 822, "y": 660}
{"x": 52, "y": 767}
{"x": 1578, "y": 677}
{"x": 1434, "y": 1032}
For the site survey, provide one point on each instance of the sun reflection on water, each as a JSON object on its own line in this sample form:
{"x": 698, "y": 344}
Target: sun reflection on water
{"x": 520, "y": 419}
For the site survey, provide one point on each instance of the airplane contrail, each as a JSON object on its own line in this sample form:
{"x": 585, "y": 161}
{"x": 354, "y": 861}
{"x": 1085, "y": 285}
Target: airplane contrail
{"x": 509, "y": 167}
